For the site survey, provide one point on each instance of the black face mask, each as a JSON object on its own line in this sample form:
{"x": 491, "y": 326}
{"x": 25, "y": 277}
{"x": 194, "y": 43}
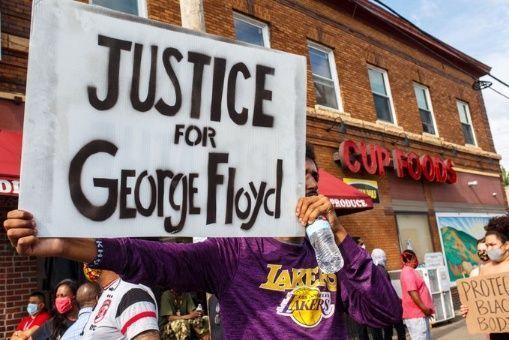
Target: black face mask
{"x": 483, "y": 255}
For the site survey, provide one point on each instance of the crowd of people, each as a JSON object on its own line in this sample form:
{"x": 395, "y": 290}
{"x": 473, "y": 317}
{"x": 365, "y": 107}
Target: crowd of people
{"x": 266, "y": 287}
{"x": 107, "y": 307}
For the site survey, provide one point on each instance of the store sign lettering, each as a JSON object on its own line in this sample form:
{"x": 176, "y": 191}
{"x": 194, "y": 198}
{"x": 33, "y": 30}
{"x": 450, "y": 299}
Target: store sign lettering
{"x": 375, "y": 159}
{"x": 9, "y": 187}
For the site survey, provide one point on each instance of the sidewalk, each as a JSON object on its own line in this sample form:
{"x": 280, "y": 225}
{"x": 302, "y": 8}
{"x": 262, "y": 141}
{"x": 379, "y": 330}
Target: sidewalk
{"x": 455, "y": 329}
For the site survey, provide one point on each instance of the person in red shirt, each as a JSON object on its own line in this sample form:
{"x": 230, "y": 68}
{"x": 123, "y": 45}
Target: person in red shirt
{"x": 37, "y": 315}
{"x": 416, "y": 298}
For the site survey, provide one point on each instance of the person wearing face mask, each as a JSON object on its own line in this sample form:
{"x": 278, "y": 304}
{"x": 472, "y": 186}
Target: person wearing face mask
{"x": 124, "y": 310}
{"x": 37, "y": 316}
{"x": 416, "y": 298}
{"x": 497, "y": 249}
{"x": 483, "y": 256}
{"x": 64, "y": 315}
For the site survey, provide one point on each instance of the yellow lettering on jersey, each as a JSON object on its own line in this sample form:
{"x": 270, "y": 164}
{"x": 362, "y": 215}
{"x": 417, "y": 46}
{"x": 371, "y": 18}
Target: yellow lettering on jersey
{"x": 271, "y": 277}
{"x": 284, "y": 280}
{"x": 297, "y": 276}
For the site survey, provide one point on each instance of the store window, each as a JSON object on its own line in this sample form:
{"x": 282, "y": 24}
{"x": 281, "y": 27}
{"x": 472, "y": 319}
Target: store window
{"x": 325, "y": 78}
{"x": 251, "y": 31}
{"x": 136, "y": 7}
{"x": 414, "y": 233}
{"x": 379, "y": 82}
{"x": 425, "y": 109}
{"x": 466, "y": 122}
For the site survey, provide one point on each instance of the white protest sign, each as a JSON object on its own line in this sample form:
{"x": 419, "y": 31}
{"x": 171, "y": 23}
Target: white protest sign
{"x": 137, "y": 128}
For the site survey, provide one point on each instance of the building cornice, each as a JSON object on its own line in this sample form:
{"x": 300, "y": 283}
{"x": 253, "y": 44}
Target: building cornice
{"x": 335, "y": 116}
{"x": 415, "y": 35}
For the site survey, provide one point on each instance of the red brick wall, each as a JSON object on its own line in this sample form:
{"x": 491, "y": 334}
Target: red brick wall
{"x": 18, "y": 278}
{"x": 15, "y": 23}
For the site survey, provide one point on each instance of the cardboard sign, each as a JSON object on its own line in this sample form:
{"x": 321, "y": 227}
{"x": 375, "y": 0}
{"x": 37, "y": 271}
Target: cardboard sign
{"x": 137, "y": 128}
{"x": 487, "y": 298}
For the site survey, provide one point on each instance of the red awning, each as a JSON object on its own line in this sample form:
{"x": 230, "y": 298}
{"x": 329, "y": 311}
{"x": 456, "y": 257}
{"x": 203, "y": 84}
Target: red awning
{"x": 10, "y": 157}
{"x": 345, "y": 198}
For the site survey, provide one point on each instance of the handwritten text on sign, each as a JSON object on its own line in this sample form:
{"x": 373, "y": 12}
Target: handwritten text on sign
{"x": 487, "y": 298}
{"x": 141, "y": 129}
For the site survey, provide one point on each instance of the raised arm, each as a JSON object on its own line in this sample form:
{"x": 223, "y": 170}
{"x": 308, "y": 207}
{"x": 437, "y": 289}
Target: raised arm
{"x": 204, "y": 266}
{"x": 365, "y": 289}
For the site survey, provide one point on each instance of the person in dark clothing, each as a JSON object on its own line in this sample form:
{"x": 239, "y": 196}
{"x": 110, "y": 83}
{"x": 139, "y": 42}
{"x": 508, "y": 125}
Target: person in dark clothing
{"x": 65, "y": 312}
{"x": 380, "y": 260}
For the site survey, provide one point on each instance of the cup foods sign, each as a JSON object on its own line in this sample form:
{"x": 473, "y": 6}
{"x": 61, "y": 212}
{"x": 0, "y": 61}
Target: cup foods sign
{"x": 375, "y": 159}
{"x": 135, "y": 128}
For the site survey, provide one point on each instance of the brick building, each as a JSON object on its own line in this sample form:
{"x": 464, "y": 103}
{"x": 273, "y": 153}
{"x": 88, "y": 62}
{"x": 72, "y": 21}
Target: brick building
{"x": 373, "y": 78}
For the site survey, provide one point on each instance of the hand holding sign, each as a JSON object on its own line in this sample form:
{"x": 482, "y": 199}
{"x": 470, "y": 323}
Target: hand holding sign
{"x": 486, "y": 298}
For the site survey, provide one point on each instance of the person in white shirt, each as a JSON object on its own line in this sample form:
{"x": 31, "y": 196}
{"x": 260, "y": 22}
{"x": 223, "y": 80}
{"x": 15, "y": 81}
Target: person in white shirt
{"x": 86, "y": 297}
{"x": 124, "y": 310}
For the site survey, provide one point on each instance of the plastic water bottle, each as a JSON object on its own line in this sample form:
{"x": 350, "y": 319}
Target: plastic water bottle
{"x": 320, "y": 236}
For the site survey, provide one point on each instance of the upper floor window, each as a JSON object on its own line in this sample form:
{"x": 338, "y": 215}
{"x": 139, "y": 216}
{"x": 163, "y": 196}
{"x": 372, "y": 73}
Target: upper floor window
{"x": 425, "y": 109}
{"x": 381, "y": 94}
{"x": 136, "y": 7}
{"x": 325, "y": 78}
{"x": 250, "y": 30}
{"x": 466, "y": 123}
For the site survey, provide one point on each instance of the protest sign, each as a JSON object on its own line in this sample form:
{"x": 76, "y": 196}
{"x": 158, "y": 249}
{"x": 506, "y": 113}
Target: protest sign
{"x": 487, "y": 298}
{"x": 137, "y": 128}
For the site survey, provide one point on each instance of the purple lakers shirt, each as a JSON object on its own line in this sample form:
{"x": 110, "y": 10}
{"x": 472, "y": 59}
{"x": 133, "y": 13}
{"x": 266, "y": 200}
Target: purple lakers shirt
{"x": 266, "y": 288}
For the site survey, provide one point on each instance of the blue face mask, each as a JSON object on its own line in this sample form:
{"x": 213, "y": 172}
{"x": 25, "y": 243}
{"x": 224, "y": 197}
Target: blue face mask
{"x": 32, "y": 308}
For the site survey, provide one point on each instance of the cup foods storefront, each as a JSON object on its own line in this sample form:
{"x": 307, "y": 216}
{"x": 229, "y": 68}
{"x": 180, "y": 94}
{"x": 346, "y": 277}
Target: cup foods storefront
{"x": 426, "y": 198}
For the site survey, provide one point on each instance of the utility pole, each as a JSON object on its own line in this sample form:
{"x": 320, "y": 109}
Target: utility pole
{"x": 192, "y": 14}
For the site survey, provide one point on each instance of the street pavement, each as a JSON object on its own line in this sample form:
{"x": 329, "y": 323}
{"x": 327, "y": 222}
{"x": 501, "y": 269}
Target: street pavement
{"x": 455, "y": 329}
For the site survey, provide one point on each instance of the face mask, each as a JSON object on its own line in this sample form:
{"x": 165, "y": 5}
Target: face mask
{"x": 496, "y": 254}
{"x": 63, "y": 304}
{"x": 32, "y": 308}
{"x": 482, "y": 255}
{"x": 92, "y": 275}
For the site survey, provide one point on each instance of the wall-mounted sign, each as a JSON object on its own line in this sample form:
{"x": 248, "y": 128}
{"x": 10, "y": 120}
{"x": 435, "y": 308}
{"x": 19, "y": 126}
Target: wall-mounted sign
{"x": 434, "y": 259}
{"x": 9, "y": 186}
{"x": 373, "y": 158}
{"x": 368, "y": 187}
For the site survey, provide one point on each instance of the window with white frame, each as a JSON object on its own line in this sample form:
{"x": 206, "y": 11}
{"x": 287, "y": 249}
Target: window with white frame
{"x": 325, "y": 78}
{"x": 425, "y": 109}
{"x": 250, "y": 30}
{"x": 136, "y": 7}
{"x": 466, "y": 122}
{"x": 379, "y": 82}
